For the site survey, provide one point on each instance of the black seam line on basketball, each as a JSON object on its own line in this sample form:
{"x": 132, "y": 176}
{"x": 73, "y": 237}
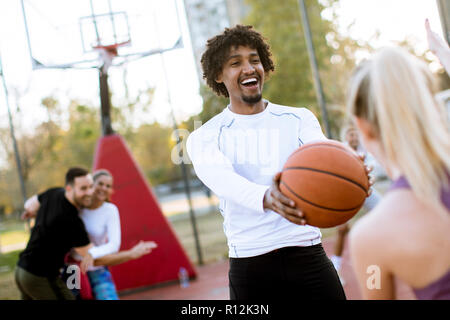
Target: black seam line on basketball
{"x": 317, "y": 205}
{"x": 327, "y": 172}
{"x": 305, "y": 146}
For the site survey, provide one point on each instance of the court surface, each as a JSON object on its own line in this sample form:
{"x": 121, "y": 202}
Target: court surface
{"x": 212, "y": 283}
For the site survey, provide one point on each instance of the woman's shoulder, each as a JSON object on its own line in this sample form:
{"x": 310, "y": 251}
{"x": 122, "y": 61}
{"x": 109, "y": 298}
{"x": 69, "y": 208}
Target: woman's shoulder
{"x": 370, "y": 230}
{"x": 397, "y": 224}
{"x": 404, "y": 237}
{"x": 110, "y": 208}
{"x": 380, "y": 227}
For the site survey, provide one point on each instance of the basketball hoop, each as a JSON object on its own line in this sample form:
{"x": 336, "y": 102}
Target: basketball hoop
{"x": 109, "y": 52}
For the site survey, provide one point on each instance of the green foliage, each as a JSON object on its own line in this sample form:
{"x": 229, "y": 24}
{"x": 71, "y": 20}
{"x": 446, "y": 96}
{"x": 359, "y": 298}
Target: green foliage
{"x": 55, "y": 145}
{"x": 151, "y": 145}
{"x": 8, "y": 287}
{"x": 212, "y": 105}
{"x": 9, "y": 259}
{"x": 292, "y": 84}
{"x": 443, "y": 79}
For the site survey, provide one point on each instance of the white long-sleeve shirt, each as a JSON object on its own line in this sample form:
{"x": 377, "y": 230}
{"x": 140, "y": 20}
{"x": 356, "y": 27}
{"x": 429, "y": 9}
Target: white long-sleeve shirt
{"x": 103, "y": 227}
{"x": 236, "y": 156}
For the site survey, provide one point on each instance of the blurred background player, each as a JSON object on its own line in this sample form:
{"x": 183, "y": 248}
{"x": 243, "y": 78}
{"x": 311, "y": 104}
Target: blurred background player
{"x": 392, "y": 99}
{"x": 58, "y": 228}
{"x": 102, "y": 223}
{"x": 350, "y": 136}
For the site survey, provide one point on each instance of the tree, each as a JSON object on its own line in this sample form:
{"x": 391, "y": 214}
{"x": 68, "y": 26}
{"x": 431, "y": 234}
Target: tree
{"x": 212, "y": 105}
{"x": 56, "y": 145}
{"x": 151, "y": 146}
{"x": 291, "y": 83}
{"x": 409, "y": 44}
{"x": 51, "y": 150}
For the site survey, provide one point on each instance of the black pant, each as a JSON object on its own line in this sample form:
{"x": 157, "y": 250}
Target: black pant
{"x": 33, "y": 287}
{"x": 286, "y": 273}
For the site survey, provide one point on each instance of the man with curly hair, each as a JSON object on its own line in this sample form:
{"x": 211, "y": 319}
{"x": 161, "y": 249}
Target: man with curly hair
{"x": 238, "y": 154}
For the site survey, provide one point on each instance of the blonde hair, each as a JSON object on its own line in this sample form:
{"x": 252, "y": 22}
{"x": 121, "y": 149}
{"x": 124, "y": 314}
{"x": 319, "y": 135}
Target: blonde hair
{"x": 394, "y": 92}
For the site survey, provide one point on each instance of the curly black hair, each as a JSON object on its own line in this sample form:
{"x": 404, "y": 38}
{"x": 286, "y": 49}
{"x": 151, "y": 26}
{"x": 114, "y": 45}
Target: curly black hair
{"x": 218, "y": 47}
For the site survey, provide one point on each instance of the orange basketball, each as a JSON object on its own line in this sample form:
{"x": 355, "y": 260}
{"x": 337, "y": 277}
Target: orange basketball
{"x": 327, "y": 181}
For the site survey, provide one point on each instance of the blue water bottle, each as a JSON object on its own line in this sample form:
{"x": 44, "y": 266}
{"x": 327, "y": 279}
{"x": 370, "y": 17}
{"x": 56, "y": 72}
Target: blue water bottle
{"x": 183, "y": 276}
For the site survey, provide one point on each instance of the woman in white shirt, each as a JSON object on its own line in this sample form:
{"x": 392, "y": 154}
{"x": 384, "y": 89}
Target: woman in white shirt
{"x": 102, "y": 224}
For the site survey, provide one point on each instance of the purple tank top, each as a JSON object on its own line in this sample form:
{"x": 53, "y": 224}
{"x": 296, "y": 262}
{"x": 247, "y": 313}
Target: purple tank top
{"x": 439, "y": 289}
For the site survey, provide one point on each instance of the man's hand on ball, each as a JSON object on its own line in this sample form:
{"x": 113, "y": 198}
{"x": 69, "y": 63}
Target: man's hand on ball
{"x": 369, "y": 169}
{"x": 276, "y": 201}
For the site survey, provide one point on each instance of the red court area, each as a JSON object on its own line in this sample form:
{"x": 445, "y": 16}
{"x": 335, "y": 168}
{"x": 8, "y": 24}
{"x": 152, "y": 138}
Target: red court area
{"x": 212, "y": 283}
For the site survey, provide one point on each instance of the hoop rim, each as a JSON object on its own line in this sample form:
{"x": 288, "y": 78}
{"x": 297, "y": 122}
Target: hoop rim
{"x": 112, "y": 48}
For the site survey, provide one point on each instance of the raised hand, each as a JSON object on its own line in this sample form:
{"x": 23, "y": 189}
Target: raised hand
{"x": 369, "y": 169}
{"x": 438, "y": 46}
{"x": 142, "y": 248}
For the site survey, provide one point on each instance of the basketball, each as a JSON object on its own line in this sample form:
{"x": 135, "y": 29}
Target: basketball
{"x": 327, "y": 181}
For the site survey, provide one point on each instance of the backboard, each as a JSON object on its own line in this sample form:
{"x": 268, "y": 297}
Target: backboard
{"x": 64, "y": 33}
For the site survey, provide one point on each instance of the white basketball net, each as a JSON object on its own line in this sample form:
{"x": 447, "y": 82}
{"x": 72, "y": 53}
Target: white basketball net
{"x": 106, "y": 56}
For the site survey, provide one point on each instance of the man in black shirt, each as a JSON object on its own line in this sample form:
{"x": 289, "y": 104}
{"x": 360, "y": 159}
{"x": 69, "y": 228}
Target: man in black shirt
{"x": 57, "y": 229}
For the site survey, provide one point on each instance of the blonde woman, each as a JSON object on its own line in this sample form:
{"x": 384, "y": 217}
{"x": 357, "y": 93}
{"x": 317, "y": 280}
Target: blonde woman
{"x": 401, "y": 123}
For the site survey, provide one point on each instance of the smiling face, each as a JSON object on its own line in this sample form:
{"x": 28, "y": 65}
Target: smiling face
{"x": 103, "y": 187}
{"x": 80, "y": 192}
{"x": 243, "y": 76}
{"x": 352, "y": 138}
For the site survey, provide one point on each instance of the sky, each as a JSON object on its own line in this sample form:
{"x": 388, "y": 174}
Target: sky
{"x": 63, "y": 44}
{"x": 393, "y": 19}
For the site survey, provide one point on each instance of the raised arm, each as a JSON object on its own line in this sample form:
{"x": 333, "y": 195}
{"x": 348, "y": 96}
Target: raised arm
{"x": 439, "y": 47}
{"x": 31, "y": 208}
{"x": 113, "y": 235}
{"x": 142, "y": 248}
{"x": 87, "y": 261}
{"x": 216, "y": 171}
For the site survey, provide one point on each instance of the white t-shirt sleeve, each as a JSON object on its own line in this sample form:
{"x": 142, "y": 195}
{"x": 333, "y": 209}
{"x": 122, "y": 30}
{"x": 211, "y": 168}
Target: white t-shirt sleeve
{"x": 113, "y": 234}
{"x": 216, "y": 171}
{"x": 310, "y": 129}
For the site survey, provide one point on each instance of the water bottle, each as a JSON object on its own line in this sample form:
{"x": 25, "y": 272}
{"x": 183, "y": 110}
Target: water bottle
{"x": 183, "y": 276}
